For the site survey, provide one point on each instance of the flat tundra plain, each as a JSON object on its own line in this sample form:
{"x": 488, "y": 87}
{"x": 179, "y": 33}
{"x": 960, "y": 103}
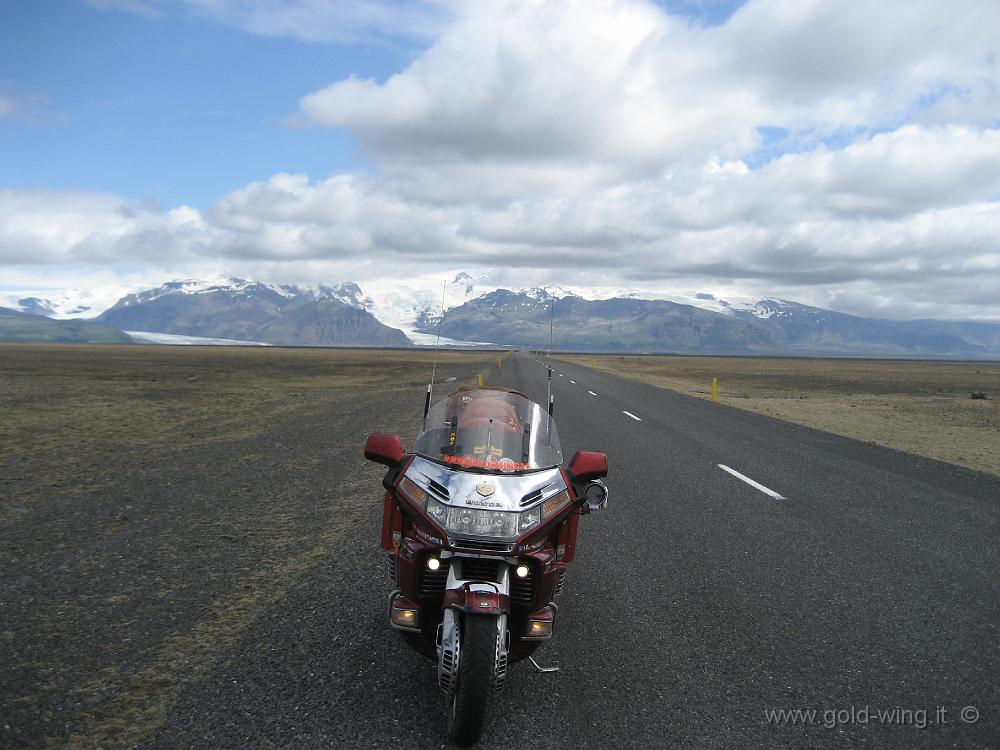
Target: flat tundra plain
{"x": 154, "y": 501}
{"x": 162, "y": 507}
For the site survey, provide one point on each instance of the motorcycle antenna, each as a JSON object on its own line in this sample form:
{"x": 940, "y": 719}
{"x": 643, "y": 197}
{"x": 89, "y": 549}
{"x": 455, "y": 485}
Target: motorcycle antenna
{"x": 437, "y": 348}
{"x": 552, "y": 318}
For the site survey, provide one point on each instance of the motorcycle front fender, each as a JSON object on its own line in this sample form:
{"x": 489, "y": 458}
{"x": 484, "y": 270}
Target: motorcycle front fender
{"x": 473, "y": 598}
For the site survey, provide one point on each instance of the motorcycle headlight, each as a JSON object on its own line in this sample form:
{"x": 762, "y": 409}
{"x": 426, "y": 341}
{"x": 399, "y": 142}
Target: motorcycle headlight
{"x": 528, "y": 520}
{"x": 483, "y": 523}
{"x": 437, "y": 511}
{"x": 477, "y": 522}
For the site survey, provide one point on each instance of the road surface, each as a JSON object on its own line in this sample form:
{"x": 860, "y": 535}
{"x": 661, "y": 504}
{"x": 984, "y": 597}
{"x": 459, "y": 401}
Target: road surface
{"x": 745, "y": 567}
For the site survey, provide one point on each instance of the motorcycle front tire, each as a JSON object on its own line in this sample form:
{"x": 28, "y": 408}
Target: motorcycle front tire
{"x": 469, "y": 705}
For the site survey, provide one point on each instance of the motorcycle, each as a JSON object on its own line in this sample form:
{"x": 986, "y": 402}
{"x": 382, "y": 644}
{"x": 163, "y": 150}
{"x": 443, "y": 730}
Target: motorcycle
{"x": 480, "y": 524}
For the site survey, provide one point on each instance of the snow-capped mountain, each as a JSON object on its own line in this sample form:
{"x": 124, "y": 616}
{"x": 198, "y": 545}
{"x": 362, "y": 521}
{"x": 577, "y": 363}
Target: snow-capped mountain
{"x": 413, "y": 305}
{"x": 66, "y": 304}
{"x": 90, "y": 303}
{"x": 769, "y": 326}
{"x": 397, "y": 303}
{"x": 479, "y": 310}
{"x": 254, "y": 311}
{"x": 347, "y": 293}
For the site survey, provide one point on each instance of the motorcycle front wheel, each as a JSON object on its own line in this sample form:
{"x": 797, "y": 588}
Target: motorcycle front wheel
{"x": 477, "y": 676}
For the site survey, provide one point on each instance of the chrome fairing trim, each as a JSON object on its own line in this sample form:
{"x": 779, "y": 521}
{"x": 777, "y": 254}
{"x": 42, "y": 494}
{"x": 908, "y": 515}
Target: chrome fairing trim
{"x": 449, "y": 652}
{"x": 466, "y": 489}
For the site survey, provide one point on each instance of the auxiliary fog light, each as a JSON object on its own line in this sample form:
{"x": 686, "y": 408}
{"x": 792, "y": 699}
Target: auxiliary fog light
{"x": 433, "y": 563}
{"x": 539, "y": 628}
{"x": 540, "y": 623}
{"x": 522, "y": 571}
{"x": 404, "y": 618}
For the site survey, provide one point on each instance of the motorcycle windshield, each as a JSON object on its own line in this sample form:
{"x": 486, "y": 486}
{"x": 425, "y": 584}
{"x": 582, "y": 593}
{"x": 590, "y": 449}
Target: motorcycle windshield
{"x": 490, "y": 430}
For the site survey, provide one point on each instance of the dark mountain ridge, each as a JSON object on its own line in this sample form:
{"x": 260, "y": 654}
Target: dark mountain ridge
{"x": 252, "y": 311}
{"x": 771, "y": 326}
{"x": 17, "y": 326}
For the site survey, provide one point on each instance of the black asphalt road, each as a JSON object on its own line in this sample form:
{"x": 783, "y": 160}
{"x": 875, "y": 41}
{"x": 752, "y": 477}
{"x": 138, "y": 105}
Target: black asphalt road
{"x": 868, "y": 594}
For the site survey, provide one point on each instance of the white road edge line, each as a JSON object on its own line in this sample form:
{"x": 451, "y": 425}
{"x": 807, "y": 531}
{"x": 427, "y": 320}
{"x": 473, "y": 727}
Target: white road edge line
{"x": 591, "y": 393}
{"x": 748, "y": 480}
{"x": 573, "y": 382}
{"x": 630, "y": 414}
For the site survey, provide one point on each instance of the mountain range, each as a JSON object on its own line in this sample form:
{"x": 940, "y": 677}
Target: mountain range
{"x": 767, "y": 326}
{"x": 403, "y": 313}
{"x": 252, "y": 311}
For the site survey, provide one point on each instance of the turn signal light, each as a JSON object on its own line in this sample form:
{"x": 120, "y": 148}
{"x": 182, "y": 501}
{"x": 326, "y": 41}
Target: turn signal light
{"x": 555, "y": 504}
{"x": 412, "y": 491}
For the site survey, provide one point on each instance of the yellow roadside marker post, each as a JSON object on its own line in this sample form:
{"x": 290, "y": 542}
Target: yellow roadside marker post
{"x": 500, "y": 362}
{"x": 715, "y": 389}
{"x": 480, "y": 380}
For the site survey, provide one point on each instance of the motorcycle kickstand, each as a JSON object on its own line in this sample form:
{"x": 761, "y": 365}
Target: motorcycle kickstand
{"x": 540, "y": 668}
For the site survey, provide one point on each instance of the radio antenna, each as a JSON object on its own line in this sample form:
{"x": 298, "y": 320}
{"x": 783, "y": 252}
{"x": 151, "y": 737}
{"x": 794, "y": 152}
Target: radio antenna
{"x": 552, "y": 317}
{"x": 437, "y": 349}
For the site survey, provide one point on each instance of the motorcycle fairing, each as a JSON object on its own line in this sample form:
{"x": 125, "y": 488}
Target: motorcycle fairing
{"x": 513, "y": 492}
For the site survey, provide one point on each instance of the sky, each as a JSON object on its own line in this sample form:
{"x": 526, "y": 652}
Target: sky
{"x": 835, "y": 152}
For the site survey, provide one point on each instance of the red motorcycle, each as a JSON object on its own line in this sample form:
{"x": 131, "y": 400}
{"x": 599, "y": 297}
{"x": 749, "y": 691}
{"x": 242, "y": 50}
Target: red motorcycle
{"x": 480, "y": 524}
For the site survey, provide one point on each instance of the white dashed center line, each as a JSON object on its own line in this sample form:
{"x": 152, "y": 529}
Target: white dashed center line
{"x": 573, "y": 382}
{"x": 591, "y": 393}
{"x": 630, "y": 414}
{"x": 755, "y": 485}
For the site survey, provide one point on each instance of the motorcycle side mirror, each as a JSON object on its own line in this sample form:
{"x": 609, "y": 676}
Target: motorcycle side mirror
{"x": 595, "y": 497}
{"x": 586, "y": 466}
{"x": 384, "y": 449}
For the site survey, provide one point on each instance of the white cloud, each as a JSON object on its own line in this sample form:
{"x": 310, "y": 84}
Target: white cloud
{"x": 23, "y": 106}
{"x": 816, "y": 48}
{"x": 606, "y": 142}
{"x": 343, "y": 21}
{"x": 47, "y": 227}
{"x": 139, "y": 7}
{"x": 602, "y": 81}
{"x": 620, "y": 82}
{"x": 909, "y": 210}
